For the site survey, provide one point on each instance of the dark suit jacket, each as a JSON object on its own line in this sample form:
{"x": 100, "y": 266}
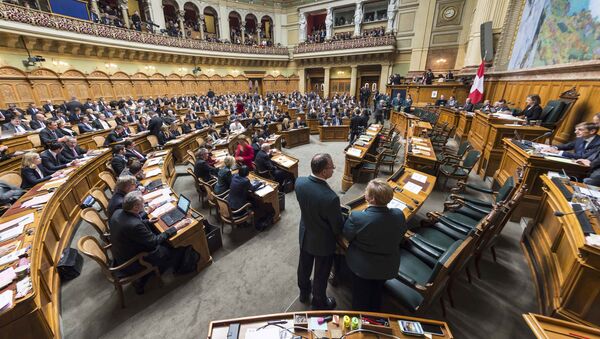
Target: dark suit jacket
{"x": 223, "y": 180}
{"x": 48, "y": 108}
{"x": 141, "y": 128}
{"x": 532, "y": 112}
{"x": 112, "y": 137}
{"x": 263, "y": 162}
{"x": 154, "y": 125}
{"x": 129, "y": 154}
{"x": 320, "y": 218}
{"x": 468, "y": 107}
{"x": 47, "y": 137}
{"x": 35, "y": 124}
{"x": 239, "y": 192}
{"x": 62, "y": 132}
{"x": 130, "y": 235}
{"x": 375, "y": 235}
{"x": 118, "y": 164}
{"x": 115, "y": 203}
{"x": 85, "y": 129}
{"x": 97, "y": 125}
{"x": 203, "y": 170}
{"x": 30, "y": 177}
{"x": 53, "y": 163}
{"x": 67, "y": 153}
{"x": 11, "y": 128}
{"x": 578, "y": 150}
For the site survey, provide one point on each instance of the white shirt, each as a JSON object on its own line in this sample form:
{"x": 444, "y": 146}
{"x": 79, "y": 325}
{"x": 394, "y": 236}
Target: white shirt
{"x": 237, "y": 127}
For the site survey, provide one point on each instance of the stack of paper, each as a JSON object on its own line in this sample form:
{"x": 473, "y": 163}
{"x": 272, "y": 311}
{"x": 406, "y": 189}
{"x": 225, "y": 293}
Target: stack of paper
{"x": 6, "y": 300}
{"x": 153, "y": 161}
{"x": 12, "y": 257}
{"x": 419, "y": 177}
{"x": 355, "y": 152}
{"x": 395, "y": 203}
{"x": 23, "y": 287}
{"x": 154, "y": 194}
{"x": 54, "y": 183}
{"x": 7, "y": 276}
{"x": 162, "y": 210}
{"x": 24, "y": 220}
{"x": 413, "y": 188}
{"x": 153, "y": 172}
{"x": 38, "y": 200}
{"x": 264, "y": 191}
{"x": 12, "y": 233}
{"x": 590, "y": 192}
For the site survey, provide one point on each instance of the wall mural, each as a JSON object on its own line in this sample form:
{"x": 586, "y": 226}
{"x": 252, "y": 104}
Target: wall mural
{"x": 557, "y": 32}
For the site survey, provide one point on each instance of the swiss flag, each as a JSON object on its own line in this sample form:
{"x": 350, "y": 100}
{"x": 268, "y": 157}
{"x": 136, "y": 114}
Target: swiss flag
{"x": 476, "y": 93}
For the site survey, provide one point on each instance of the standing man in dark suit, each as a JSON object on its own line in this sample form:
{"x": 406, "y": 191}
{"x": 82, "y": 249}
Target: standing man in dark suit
{"x": 586, "y": 143}
{"x": 373, "y": 255}
{"x": 73, "y": 104}
{"x": 155, "y": 124}
{"x": 49, "y": 135}
{"x": 355, "y": 126}
{"x": 320, "y": 223}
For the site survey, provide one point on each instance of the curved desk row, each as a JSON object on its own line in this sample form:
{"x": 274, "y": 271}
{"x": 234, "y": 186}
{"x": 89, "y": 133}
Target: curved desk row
{"x": 356, "y": 154}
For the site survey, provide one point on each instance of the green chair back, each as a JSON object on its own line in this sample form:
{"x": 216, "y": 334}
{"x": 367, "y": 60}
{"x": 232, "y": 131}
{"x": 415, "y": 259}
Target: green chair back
{"x": 463, "y": 148}
{"x": 443, "y": 259}
{"x": 471, "y": 159}
{"x": 505, "y": 190}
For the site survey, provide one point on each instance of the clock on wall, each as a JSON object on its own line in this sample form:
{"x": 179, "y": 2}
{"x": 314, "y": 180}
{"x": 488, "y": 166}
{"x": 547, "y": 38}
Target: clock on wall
{"x": 449, "y": 13}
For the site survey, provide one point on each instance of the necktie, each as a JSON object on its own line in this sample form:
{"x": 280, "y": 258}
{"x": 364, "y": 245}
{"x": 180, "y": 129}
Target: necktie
{"x": 19, "y": 129}
{"x": 43, "y": 125}
{"x": 584, "y": 144}
{"x": 74, "y": 152}
{"x": 54, "y": 134}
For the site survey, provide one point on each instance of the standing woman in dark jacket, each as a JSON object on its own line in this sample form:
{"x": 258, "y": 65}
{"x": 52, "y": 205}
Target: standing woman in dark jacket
{"x": 33, "y": 172}
{"x": 373, "y": 255}
{"x": 533, "y": 111}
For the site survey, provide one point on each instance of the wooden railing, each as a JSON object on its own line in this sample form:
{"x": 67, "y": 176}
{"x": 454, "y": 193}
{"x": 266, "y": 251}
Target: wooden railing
{"x": 362, "y": 42}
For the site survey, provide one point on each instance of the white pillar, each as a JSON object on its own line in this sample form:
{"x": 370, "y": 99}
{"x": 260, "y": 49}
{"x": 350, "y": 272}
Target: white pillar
{"x": 201, "y": 26}
{"x": 358, "y": 17}
{"x": 180, "y": 17}
{"x": 243, "y": 31}
{"x": 301, "y": 27}
{"x": 224, "y": 33}
{"x": 383, "y": 78}
{"x": 422, "y": 36}
{"x": 157, "y": 15}
{"x": 353, "y": 79}
{"x": 301, "y": 81}
{"x": 124, "y": 4}
{"x": 329, "y": 24}
{"x": 326, "y": 82}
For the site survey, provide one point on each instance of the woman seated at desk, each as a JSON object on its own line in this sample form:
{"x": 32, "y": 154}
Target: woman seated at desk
{"x": 33, "y": 171}
{"x": 224, "y": 175}
{"x": 164, "y": 135}
{"x": 533, "y": 111}
{"x": 174, "y": 130}
{"x": 285, "y": 124}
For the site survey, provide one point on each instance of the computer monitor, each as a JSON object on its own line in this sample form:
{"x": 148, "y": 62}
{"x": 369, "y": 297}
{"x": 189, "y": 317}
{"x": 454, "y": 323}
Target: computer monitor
{"x": 183, "y": 203}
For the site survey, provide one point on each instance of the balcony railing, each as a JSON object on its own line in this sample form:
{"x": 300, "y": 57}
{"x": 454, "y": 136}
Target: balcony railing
{"x": 63, "y": 23}
{"x": 362, "y": 42}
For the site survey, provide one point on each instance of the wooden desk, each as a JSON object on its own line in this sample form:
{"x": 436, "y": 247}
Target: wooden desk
{"x": 421, "y": 155}
{"x": 271, "y": 198}
{"x": 334, "y": 133}
{"x": 313, "y": 125}
{"x": 465, "y": 119}
{"x": 480, "y": 129}
{"x": 402, "y": 121}
{"x": 296, "y": 137}
{"x": 494, "y": 147}
{"x": 421, "y": 128}
{"x": 191, "y": 235}
{"x": 550, "y": 328}
{"x": 449, "y": 115}
{"x": 565, "y": 268}
{"x": 423, "y": 94}
{"x": 36, "y": 315}
{"x": 515, "y": 159}
{"x": 218, "y": 329}
{"x": 287, "y": 163}
{"x": 183, "y": 143}
{"x": 354, "y": 160}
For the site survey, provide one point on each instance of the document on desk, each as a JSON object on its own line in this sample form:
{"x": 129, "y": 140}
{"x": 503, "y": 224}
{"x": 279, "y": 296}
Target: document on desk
{"x": 419, "y": 177}
{"x": 7, "y": 276}
{"x": 160, "y": 153}
{"x": 264, "y": 191}
{"x": 159, "y": 192}
{"x": 267, "y": 333}
{"x": 162, "y": 210}
{"x": 38, "y": 200}
{"x": 54, "y": 183}
{"x": 395, "y": 203}
{"x": 560, "y": 159}
{"x": 413, "y": 188}
{"x": 6, "y": 300}
{"x": 12, "y": 233}
{"x": 153, "y": 172}
{"x": 24, "y": 220}
{"x": 12, "y": 257}
{"x": 153, "y": 161}
{"x": 590, "y": 192}
{"x": 355, "y": 152}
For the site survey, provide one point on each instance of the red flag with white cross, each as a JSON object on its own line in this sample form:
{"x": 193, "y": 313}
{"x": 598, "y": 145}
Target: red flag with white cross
{"x": 476, "y": 93}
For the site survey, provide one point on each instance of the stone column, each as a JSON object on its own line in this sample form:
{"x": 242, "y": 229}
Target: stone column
{"x": 223, "y": 23}
{"x": 329, "y": 24}
{"x": 95, "y": 8}
{"x": 422, "y": 36}
{"x": 157, "y": 14}
{"x": 391, "y": 16}
{"x": 180, "y": 17}
{"x": 326, "y": 82}
{"x": 201, "y": 26}
{"x": 243, "y": 32}
{"x": 258, "y": 30}
{"x": 358, "y": 17}
{"x": 483, "y": 13}
{"x": 384, "y": 77}
{"x": 124, "y": 12}
{"x": 301, "y": 80}
{"x": 353, "y": 79}
{"x": 302, "y": 28}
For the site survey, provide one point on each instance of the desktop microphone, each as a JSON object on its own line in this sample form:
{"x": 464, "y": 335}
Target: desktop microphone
{"x": 562, "y": 214}
{"x": 545, "y": 135}
{"x": 399, "y": 190}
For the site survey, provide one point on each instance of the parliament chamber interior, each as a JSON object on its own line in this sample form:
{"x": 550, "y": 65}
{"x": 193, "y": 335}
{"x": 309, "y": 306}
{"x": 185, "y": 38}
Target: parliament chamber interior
{"x": 299, "y": 169}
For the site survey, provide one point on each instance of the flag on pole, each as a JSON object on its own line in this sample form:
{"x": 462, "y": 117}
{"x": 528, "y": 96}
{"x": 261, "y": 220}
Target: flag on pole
{"x": 476, "y": 92}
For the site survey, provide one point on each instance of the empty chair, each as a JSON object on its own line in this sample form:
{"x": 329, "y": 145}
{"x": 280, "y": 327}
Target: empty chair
{"x": 108, "y": 179}
{"x": 477, "y": 208}
{"x": 90, "y": 246}
{"x": 371, "y": 166}
{"x": 100, "y": 224}
{"x": 461, "y": 170}
{"x": 12, "y": 178}
{"x": 100, "y": 198}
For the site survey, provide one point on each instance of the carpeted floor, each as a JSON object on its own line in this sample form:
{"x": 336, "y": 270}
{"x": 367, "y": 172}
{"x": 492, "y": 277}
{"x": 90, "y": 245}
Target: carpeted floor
{"x": 255, "y": 273}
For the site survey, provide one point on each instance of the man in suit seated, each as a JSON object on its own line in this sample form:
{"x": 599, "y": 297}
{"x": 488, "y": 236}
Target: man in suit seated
{"x": 265, "y": 164}
{"x": 124, "y": 185}
{"x": 240, "y": 190}
{"x": 101, "y": 123}
{"x": 321, "y": 222}
{"x": 8, "y": 195}
{"x": 71, "y": 150}
{"x": 50, "y": 135}
{"x": 298, "y": 123}
{"x": 63, "y": 131}
{"x": 48, "y": 107}
{"x": 85, "y": 126}
{"x": 132, "y": 152}
{"x": 468, "y": 106}
{"x": 202, "y": 169}
{"x": 117, "y": 135}
{"x": 373, "y": 255}
{"x": 441, "y": 101}
{"x": 38, "y": 121}
{"x": 119, "y": 161}
{"x": 131, "y": 235}
{"x": 15, "y": 126}
{"x": 32, "y": 110}
{"x": 586, "y": 143}
{"x": 53, "y": 160}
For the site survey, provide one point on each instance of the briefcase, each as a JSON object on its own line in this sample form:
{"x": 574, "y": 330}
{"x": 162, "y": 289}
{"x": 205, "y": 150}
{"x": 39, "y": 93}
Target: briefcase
{"x": 70, "y": 264}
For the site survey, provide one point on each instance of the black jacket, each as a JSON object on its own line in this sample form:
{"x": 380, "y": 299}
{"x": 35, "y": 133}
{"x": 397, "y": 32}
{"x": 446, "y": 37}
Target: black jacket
{"x": 203, "y": 170}
{"x": 223, "y": 180}
{"x": 70, "y": 155}
{"x": 118, "y": 164}
{"x": 263, "y": 162}
{"x": 112, "y": 137}
{"x": 154, "y": 125}
{"x": 239, "y": 192}
{"x": 30, "y": 177}
{"x": 320, "y": 216}
{"x": 53, "y": 163}
{"x": 47, "y": 137}
{"x": 532, "y": 112}
{"x": 131, "y": 235}
{"x": 130, "y": 154}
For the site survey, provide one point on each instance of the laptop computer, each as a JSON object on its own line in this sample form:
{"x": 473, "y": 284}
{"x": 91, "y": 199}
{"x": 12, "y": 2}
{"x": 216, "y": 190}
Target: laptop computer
{"x": 153, "y": 185}
{"x": 178, "y": 213}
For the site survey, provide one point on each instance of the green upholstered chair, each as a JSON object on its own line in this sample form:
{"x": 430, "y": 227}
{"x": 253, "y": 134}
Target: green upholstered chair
{"x": 478, "y": 208}
{"x": 460, "y": 170}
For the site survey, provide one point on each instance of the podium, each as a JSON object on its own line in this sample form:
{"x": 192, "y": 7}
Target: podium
{"x": 465, "y": 119}
{"x": 518, "y": 157}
